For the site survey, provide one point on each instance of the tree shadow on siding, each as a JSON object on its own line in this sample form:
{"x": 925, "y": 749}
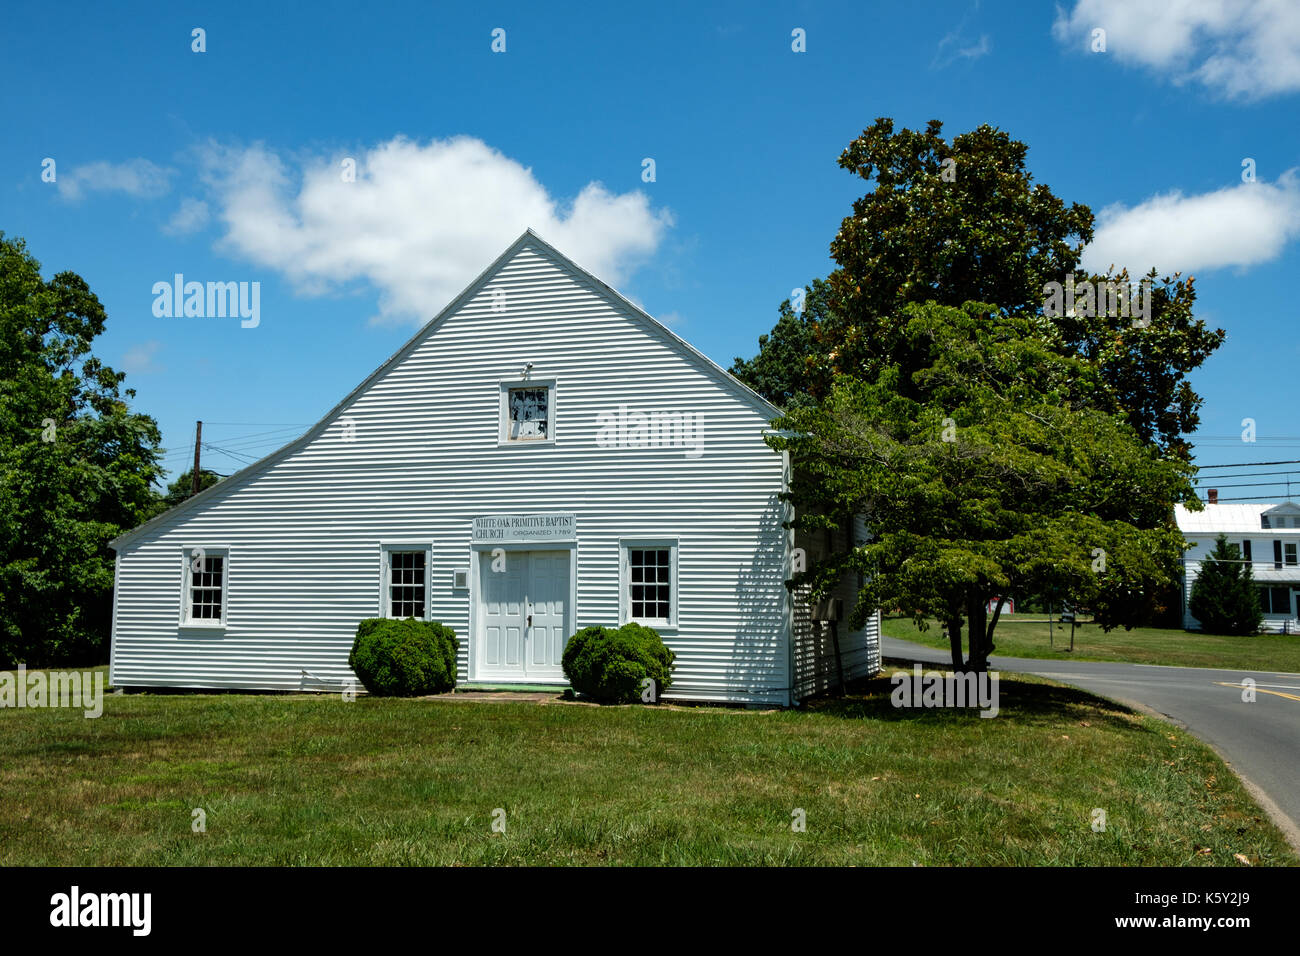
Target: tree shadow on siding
{"x": 758, "y": 663}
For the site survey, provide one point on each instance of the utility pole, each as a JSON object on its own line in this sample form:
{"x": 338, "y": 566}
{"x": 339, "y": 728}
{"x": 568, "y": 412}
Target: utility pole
{"x": 198, "y": 439}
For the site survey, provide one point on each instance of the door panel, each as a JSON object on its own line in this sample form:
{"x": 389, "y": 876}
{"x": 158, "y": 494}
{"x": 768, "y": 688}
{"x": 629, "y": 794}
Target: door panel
{"x": 548, "y": 596}
{"x": 528, "y": 583}
{"x": 502, "y": 653}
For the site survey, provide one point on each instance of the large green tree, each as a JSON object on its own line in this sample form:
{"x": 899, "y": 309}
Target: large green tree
{"x": 1049, "y": 485}
{"x": 990, "y": 474}
{"x": 76, "y": 467}
{"x": 959, "y": 221}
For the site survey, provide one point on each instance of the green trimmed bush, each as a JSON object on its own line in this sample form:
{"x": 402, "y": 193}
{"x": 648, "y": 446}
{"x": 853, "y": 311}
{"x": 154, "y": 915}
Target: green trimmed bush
{"x": 404, "y": 658}
{"x": 610, "y": 666}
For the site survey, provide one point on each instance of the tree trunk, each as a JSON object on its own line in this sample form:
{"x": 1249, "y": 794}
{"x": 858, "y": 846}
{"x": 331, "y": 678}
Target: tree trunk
{"x": 977, "y": 619}
{"x": 993, "y": 623}
{"x": 954, "y": 643}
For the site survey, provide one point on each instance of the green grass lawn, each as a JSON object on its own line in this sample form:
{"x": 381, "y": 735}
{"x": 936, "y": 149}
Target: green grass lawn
{"x": 1142, "y": 645}
{"x": 297, "y": 780}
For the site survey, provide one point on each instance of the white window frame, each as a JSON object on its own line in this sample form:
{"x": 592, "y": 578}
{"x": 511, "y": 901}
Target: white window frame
{"x": 626, "y": 545}
{"x": 187, "y": 585}
{"x": 1289, "y": 556}
{"x": 503, "y": 414}
{"x": 386, "y": 550}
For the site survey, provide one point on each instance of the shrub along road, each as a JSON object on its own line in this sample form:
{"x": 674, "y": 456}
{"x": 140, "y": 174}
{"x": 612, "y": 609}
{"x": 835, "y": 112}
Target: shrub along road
{"x": 1260, "y": 740}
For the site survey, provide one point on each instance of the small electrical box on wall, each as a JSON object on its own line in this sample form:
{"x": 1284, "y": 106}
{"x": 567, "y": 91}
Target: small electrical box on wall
{"x": 828, "y": 609}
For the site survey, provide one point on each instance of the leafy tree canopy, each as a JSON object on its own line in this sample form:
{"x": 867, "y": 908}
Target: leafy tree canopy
{"x": 182, "y": 489}
{"x": 984, "y": 470}
{"x": 959, "y": 221}
{"x": 76, "y": 467}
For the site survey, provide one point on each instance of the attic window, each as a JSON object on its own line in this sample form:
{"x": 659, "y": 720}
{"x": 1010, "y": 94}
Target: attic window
{"x": 528, "y": 412}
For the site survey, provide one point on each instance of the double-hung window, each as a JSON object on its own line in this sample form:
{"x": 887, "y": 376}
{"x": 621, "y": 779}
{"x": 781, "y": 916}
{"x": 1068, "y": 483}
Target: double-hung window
{"x": 648, "y": 582}
{"x": 406, "y": 581}
{"x": 1275, "y": 600}
{"x": 203, "y": 595}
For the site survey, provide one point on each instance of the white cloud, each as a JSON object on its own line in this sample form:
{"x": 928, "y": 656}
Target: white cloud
{"x": 957, "y": 45}
{"x": 951, "y": 49}
{"x": 139, "y": 359}
{"x": 135, "y": 177}
{"x": 190, "y": 217}
{"x": 1240, "y": 226}
{"x": 419, "y": 222}
{"x": 1241, "y": 49}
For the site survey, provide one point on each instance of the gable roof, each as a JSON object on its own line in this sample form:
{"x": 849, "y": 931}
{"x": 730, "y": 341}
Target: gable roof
{"x": 724, "y": 378}
{"x": 1231, "y": 518}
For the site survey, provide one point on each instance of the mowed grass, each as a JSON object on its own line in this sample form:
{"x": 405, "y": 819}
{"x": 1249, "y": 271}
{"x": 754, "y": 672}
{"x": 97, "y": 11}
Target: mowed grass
{"x": 1142, "y": 645}
{"x": 308, "y": 780}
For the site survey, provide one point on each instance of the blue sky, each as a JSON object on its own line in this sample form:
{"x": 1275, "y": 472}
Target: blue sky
{"x": 224, "y": 165}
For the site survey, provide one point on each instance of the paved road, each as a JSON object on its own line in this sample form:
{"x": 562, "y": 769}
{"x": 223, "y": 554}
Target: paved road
{"x": 1260, "y": 740}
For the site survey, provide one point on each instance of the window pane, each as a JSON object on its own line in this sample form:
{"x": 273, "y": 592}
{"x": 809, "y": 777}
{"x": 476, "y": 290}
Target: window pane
{"x": 205, "y": 589}
{"x": 406, "y": 584}
{"x": 650, "y": 583}
{"x": 528, "y": 412}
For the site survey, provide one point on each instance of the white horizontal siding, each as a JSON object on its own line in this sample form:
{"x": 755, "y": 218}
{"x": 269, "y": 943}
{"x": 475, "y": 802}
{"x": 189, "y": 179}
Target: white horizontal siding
{"x": 304, "y": 531}
{"x": 815, "y": 667}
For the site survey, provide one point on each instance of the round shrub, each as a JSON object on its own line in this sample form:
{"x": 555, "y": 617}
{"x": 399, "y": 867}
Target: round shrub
{"x": 404, "y": 658}
{"x": 611, "y": 666}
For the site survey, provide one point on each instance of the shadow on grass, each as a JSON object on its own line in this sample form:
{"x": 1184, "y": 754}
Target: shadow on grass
{"x": 1028, "y": 701}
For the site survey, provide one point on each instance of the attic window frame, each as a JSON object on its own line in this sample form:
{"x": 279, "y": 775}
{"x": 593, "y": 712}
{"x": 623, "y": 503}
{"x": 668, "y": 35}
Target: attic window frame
{"x": 503, "y": 431}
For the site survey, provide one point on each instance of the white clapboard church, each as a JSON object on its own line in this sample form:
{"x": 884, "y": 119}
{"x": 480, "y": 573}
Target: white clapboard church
{"x": 540, "y": 457}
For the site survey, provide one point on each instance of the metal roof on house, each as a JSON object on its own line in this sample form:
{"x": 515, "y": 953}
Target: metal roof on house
{"x": 1232, "y": 518}
{"x": 1271, "y": 575}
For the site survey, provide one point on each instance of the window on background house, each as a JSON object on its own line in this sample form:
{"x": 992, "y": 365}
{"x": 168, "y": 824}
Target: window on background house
{"x": 1245, "y": 551}
{"x": 1274, "y": 600}
{"x": 1277, "y": 554}
{"x": 204, "y": 600}
{"x": 406, "y": 583}
{"x": 1288, "y": 554}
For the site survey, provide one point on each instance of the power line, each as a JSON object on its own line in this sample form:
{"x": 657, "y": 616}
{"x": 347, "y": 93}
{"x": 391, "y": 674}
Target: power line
{"x": 1248, "y": 474}
{"x": 1251, "y": 464}
{"x": 1258, "y": 484}
{"x": 1253, "y": 499}
{"x": 235, "y": 455}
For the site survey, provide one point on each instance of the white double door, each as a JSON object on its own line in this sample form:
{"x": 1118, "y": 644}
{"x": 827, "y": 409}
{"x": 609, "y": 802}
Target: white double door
{"x": 523, "y": 615}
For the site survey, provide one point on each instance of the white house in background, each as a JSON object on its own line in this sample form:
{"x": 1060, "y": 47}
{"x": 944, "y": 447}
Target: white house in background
{"x": 1266, "y": 535}
{"x": 540, "y": 457}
